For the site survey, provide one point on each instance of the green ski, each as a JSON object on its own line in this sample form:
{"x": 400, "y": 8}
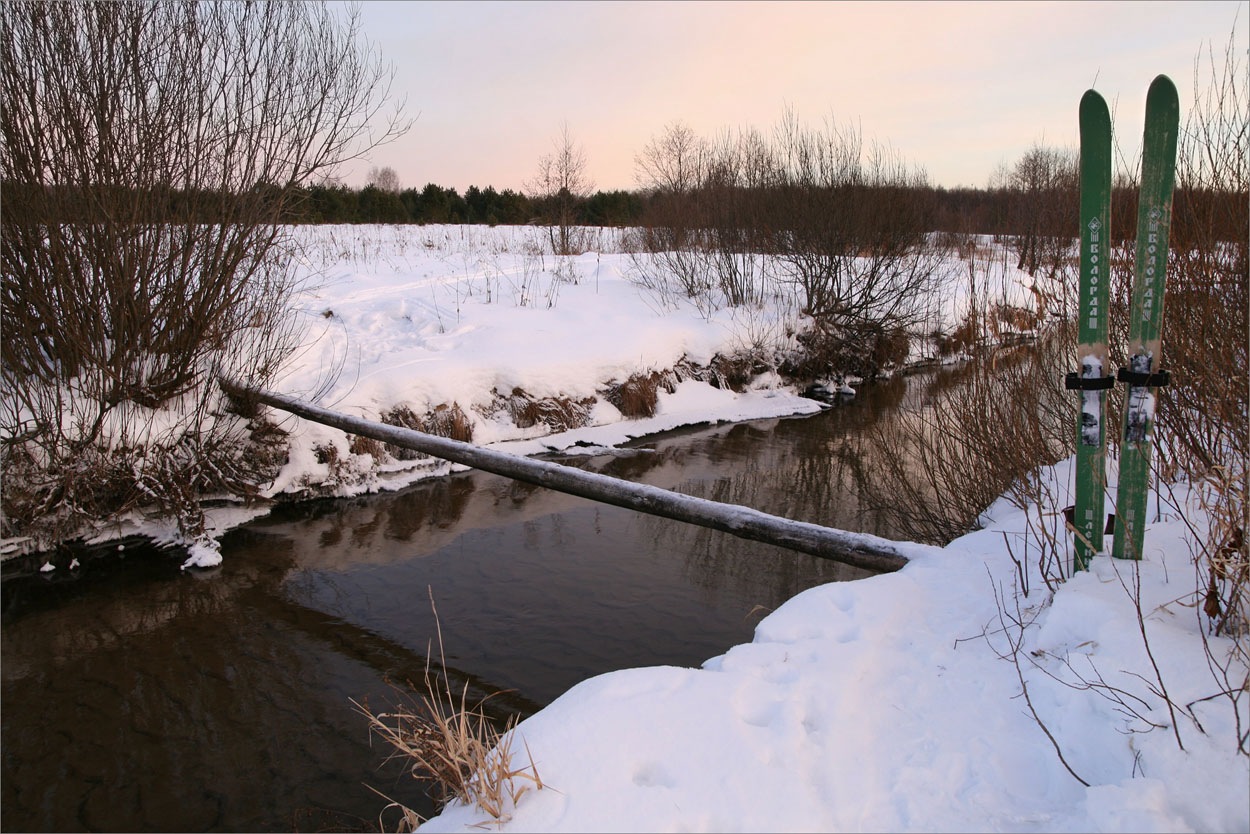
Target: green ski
{"x": 1092, "y": 381}
{"x": 1143, "y": 375}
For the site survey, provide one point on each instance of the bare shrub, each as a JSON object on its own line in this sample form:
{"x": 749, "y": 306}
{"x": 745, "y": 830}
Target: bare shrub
{"x": 747, "y": 217}
{"x": 1204, "y": 416}
{"x": 864, "y": 351}
{"x": 732, "y": 225}
{"x": 852, "y": 233}
{"x": 891, "y": 349}
{"x": 951, "y": 454}
{"x": 705, "y": 237}
{"x": 150, "y": 151}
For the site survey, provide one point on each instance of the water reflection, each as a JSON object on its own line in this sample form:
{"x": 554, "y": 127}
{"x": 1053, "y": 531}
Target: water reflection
{"x": 141, "y": 698}
{"x": 158, "y": 702}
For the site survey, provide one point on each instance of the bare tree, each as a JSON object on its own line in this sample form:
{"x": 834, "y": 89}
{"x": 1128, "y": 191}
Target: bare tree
{"x": 670, "y": 167}
{"x": 150, "y": 152}
{"x": 561, "y": 185}
{"x": 1045, "y": 196}
{"x": 384, "y": 179}
{"x": 671, "y": 162}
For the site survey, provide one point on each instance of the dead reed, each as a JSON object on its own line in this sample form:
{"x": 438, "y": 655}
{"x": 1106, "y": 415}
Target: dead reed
{"x": 559, "y": 413}
{"x": 637, "y": 396}
{"x": 454, "y": 747}
{"x": 444, "y": 420}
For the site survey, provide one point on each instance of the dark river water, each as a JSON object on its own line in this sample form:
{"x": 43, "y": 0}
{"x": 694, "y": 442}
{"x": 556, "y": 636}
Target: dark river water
{"x": 137, "y": 697}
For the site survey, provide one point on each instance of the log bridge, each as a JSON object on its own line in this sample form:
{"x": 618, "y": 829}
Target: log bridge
{"x": 857, "y": 549}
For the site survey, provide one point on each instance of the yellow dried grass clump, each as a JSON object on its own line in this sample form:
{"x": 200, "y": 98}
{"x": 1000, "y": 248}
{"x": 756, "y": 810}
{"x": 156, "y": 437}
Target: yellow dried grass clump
{"x": 455, "y": 748}
{"x": 559, "y": 413}
{"x": 638, "y": 396}
{"x": 444, "y": 420}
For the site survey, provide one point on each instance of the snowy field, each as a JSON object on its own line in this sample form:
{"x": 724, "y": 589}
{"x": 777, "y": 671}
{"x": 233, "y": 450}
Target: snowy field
{"x": 425, "y": 316}
{"x": 879, "y": 705}
{"x": 419, "y": 317}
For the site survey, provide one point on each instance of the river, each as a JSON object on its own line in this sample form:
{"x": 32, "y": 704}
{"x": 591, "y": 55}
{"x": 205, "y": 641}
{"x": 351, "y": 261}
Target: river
{"x": 138, "y": 697}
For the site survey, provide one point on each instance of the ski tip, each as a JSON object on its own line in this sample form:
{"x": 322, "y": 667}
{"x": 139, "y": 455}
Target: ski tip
{"x": 1162, "y": 91}
{"x": 1094, "y": 106}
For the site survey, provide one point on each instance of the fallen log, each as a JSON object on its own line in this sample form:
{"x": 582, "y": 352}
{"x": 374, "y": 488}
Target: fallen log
{"x": 857, "y": 549}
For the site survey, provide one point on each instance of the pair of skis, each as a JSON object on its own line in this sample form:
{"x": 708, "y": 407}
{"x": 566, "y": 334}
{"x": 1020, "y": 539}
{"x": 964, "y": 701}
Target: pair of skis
{"x": 1142, "y": 376}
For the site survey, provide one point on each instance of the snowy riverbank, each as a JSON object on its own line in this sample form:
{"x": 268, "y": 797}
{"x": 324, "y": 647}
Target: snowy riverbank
{"x": 481, "y": 333}
{"x": 884, "y": 705}
{"x": 484, "y": 322}
{"x": 480, "y": 320}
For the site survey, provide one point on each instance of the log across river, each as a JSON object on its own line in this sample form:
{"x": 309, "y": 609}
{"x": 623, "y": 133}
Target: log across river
{"x": 857, "y": 549}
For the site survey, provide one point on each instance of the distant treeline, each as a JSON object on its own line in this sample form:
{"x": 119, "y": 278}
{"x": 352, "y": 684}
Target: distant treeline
{"x": 988, "y": 211}
{"x": 1005, "y": 211}
{"x": 435, "y": 204}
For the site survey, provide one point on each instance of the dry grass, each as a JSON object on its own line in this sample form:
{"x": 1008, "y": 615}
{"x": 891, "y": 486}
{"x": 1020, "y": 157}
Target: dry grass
{"x": 445, "y": 420}
{"x": 402, "y": 415}
{"x": 360, "y": 445}
{"x": 455, "y": 748}
{"x": 326, "y": 453}
{"x": 637, "y": 396}
{"x": 525, "y": 410}
{"x": 449, "y": 421}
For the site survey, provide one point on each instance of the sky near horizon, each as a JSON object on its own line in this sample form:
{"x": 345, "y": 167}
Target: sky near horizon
{"x": 954, "y": 87}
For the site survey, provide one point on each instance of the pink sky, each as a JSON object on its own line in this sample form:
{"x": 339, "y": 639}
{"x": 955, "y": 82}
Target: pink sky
{"x": 955, "y": 87}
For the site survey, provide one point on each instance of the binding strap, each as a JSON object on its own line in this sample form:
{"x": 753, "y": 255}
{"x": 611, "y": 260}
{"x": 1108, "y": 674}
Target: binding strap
{"x": 1139, "y": 378}
{"x": 1076, "y": 382}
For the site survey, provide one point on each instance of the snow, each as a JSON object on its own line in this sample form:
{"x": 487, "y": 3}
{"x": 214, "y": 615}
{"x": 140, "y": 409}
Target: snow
{"x": 426, "y": 316}
{"x": 202, "y": 552}
{"x": 423, "y": 316}
{"x": 880, "y": 704}
{"x": 883, "y": 705}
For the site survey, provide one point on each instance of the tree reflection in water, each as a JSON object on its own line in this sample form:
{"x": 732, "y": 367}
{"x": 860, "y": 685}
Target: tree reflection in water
{"x": 142, "y": 698}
